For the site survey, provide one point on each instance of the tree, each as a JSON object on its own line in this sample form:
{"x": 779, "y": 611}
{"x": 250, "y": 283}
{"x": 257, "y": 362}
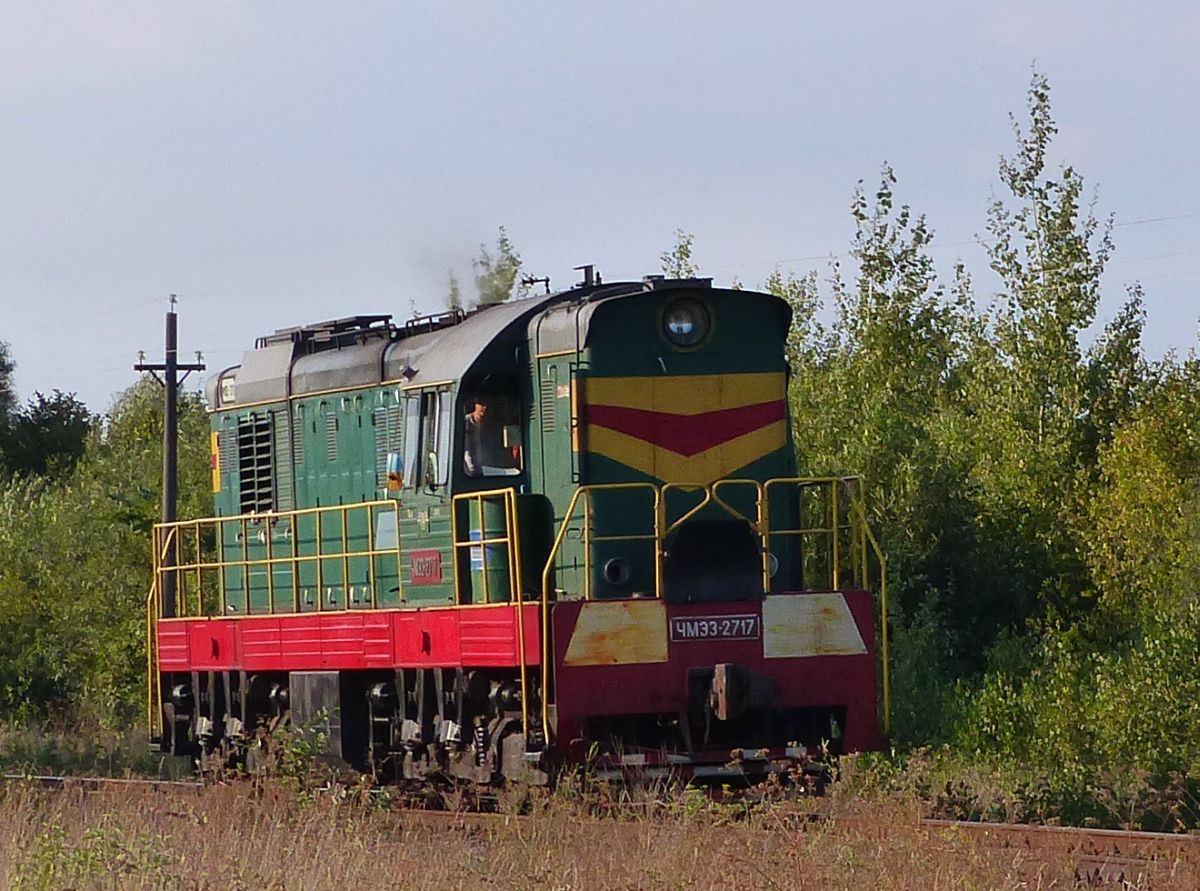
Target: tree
{"x": 1031, "y": 394}
{"x": 454, "y": 298}
{"x": 872, "y": 396}
{"x": 496, "y": 274}
{"x": 677, "y": 262}
{"x": 8, "y": 396}
{"x": 74, "y": 566}
{"x": 47, "y": 436}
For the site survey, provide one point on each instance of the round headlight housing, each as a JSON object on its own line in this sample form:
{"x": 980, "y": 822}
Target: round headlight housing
{"x": 685, "y": 322}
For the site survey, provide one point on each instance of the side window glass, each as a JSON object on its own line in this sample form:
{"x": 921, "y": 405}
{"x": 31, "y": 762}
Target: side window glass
{"x": 445, "y": 427}
{"x": 427, "y": 431}
{"x": 429, "y": 439}
{"x": 412, "y": 444}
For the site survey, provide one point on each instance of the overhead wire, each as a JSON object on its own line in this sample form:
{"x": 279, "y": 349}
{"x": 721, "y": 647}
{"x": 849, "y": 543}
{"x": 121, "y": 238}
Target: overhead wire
{"x": 939, "y": 245}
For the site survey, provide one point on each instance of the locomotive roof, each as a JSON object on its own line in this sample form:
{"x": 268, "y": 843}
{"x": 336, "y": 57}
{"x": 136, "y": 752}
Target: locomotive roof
{"x": 362, "y": 351}
{"x": 293, "y": 362}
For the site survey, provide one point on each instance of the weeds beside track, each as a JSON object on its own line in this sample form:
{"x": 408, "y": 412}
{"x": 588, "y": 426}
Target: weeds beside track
{"x": 100, "y": 833}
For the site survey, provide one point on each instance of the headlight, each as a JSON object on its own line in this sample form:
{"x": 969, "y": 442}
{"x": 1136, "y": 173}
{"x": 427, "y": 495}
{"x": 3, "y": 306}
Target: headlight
{"x": 685, "y": 322}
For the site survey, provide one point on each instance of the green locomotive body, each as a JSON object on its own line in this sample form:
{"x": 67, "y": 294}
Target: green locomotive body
{"x": 469, "y": 535}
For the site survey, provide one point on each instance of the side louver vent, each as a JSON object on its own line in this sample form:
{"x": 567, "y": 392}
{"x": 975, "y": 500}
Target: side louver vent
{"x": 549, "y": 397}
{"x": 254, "y": 463}
{"x": 389, "y": 437}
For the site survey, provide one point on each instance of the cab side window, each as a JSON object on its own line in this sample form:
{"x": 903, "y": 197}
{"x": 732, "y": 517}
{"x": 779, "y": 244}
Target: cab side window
{"x": 427, "y": 430}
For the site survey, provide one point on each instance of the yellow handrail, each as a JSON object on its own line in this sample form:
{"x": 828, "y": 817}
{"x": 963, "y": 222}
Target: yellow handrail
{"x": 859, "y": 507}
{"x": 548, "y": 570}
{"x": 858, "y": 526}
{"x": 153, "y": 693}
{"x": 184, "y": 568}
{"x": 512, "y": 543}
{"x": 172, "y": 539}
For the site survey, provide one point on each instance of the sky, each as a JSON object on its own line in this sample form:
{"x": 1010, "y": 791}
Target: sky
{"x": 277, "y": 163}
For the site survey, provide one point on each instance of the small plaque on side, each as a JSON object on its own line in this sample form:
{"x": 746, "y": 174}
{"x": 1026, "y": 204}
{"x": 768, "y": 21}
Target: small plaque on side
{"x": 425, "y": 567}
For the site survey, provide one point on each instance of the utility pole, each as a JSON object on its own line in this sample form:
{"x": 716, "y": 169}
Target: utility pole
{"x": 170, "y": 381}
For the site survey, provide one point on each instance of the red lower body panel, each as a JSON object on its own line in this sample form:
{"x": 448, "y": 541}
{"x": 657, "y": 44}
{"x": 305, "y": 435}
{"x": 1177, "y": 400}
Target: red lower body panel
{"x": 612, "y": 659}
{"x": 483, "y": 637}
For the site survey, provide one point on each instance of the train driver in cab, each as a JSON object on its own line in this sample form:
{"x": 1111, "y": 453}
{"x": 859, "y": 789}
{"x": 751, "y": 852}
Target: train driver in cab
{"x": 491, "y": 446}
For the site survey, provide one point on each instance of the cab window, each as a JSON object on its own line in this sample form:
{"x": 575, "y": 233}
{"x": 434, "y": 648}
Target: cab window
{"x": 491, "y": 440}
{"x": 427, "y": 430}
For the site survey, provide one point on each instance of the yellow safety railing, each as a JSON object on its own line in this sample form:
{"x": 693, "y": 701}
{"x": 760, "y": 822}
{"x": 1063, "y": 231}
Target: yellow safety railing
{"x": 843, "y": 532}
{"x": 844, "y": 525}
{"x": 153, "y": 684}
{"x": 590, "y": 539}
{"x": 838, "y": 528}
{"x": 189, "y": 554}
{"x": 193, "y": 558}
{"x": 511, "y": 540}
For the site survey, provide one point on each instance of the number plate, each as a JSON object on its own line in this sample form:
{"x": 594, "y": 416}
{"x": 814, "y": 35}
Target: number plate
{"x": 685, "y": 629}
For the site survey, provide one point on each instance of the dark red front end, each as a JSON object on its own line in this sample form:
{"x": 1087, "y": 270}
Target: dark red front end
{"x": 648, "y": 682}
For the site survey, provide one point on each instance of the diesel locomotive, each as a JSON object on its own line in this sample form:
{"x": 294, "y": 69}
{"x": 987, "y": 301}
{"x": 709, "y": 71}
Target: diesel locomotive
{"x": 562, "y": 528}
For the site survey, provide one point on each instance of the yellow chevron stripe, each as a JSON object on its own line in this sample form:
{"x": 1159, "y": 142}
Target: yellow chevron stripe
{"x": 700, "y": 469}
{"x": 685, "y": 394}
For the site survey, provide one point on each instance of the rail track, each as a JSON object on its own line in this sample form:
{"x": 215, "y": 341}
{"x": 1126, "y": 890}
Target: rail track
{"x": 100, "y": 784}
{"x": 1103, "y": 857}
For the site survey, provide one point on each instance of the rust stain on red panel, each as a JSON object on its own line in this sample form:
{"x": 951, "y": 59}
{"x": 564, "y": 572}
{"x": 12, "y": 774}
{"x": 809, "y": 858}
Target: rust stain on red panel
{"x": 619, "y": 632}
{"x": 807, "y": 625}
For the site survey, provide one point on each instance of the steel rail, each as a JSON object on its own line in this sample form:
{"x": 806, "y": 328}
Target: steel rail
{"x": 99, "y": 784}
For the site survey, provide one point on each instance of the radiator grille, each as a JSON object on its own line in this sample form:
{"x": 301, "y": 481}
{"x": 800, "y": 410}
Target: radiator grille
{"x": 254, "y": 463}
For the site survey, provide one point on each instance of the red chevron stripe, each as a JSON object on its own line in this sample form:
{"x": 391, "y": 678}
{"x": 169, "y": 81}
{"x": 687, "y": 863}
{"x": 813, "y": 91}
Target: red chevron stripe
{"x": 687, "y": 435}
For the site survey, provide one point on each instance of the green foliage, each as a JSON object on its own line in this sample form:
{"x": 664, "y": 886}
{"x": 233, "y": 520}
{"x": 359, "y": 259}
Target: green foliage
{"x": 878, "y": 393}
{"x": 454, "y": 298}
{"x": 677, "y": 262}
{"x": 74, "y": 565}
{"x": 1030, "y": 390}
{"x": 104, "y": 855}
{"x": 1120, "y": 684}
{"x": 8, "y": 396}
{"x": 77, "y": 748}
{"x": 953, "y": 785}
{"x": 1037, "y": 498}
{"x": 496, "y": 273}
{"x": 46, "y": 437}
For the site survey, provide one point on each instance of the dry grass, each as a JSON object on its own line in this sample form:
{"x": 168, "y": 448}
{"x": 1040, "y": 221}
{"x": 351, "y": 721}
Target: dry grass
{"x": 239, "y": 837}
